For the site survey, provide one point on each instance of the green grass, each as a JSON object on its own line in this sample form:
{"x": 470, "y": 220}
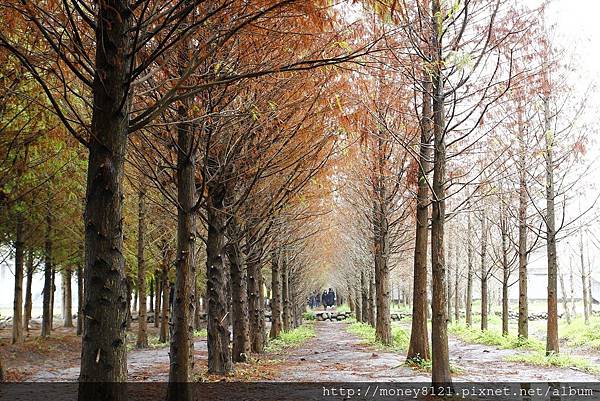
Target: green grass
{"x": 539, "y": 358}
{"x": 578, "y": 334}
{"x": 308, "y": 315}
{"x": 201, "y": 333}
{"x": 292, "y": 338}
{"x": 400, "y": 339}
{"x": 493, "y": 337}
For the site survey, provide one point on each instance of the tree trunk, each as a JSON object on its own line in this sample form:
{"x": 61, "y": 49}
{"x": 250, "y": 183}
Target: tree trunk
{"x": 104, "y": 347}
{"x": 46, "y": 307}
{"x": 28, "y": 294}
{"x": 239, "y": 295}
{"x": 285, "y": 293}
{"x": 505, "y": 272}
{"x": 219, "y": 356}
{"x": 484, "y": 276}
{"x": 456, "y": 286}
{"x": 565, "y": 302}
{"x": 275, "y": 295}
{"x": 552, "y": 330}
{"x": 372, "y": 311}
{"x": 449, "y": 282}
{"x": 67, "y": 298}
{"x": 151, "y": 294}
{"x": 523, "y": 329}
{"x": 17, "y": 324}
{"x": 585, "y": 295}
{"x": 80, "y": 298}
{"x": 439, "y": 334}
{"x": 142, "y": 334}
{"x": 358, "y": 309}
{"x": 164, "y": 302}
{"x": 255, "y": 296}
{"x": 365, "y": 297}
{"x": 182, "y": 339}
{"x": 469, "y": 296}
{"x": 158, "y": 300}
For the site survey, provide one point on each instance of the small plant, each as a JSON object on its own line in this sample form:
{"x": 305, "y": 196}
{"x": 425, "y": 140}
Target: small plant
{"x": 292, "y": 338}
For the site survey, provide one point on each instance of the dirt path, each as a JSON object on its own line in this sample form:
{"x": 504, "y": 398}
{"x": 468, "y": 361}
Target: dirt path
{"x": 336, "y": 355}
{"x": 142, "y": 365}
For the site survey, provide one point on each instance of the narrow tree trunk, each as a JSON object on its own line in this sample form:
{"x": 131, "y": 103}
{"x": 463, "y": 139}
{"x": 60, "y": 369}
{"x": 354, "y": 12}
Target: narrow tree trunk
{"x": 285, "y": 293}
{"x": 439, "y": 334}
{"x": 565, "y": 302}
{"x": 469, "y": 296}
{"x": 449, "y": 282}
{"x": 365, "y": 296}
{"x": 552, "y": 330}
{"x": 484, "y": 276}
{"x": 17, "y": 324}
{"x": 523, "y": 329}
{"x": 164, "y": 302}
{"x": 80, "y": 297}
{"x": 275, "y": 295}
{"x": 142, "y": 334}
{"x": 158, "y": 300}
{"x": 585, "y": 297}
{"x": 46, "y": 302}
{"x": 67, "y": 298}
{"x": 151, "y": 294}
{"x": 28, "y": 294}
{"x": 372, "y": 311}
{"x": 358, "y": 309}
{"x": 456, "y": 287}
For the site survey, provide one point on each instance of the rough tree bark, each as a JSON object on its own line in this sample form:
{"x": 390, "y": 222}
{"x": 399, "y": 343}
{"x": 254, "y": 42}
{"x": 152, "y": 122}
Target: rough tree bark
{"x": 484, "y": 276}
{"x": 523, "y": 326}
{"x": 505, "y": 271}
{"x": 219, "y": 357}
{"x": 104, "y": 348}
{"x": 158, "y": 295}
{"x": 371, "y": 302}
{"x": 255, "y": 296}
{"x": 364, "y": 296}
{"x": 142, "y": 334}
{"x": 439, "y": 330}
{"x": 80, "y": 297}
{"x": 239, "y": 294}
{"x": 164, "y": 291}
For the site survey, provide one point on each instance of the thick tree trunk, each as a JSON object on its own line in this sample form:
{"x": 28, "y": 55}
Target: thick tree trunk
{"x": 439, "y": 334}
{"x": 104, "y": 347}
{"x": 28, "y": 294}
{"x": 469, "y": 295}
{"x": 239, "y": 295}
{"x": 142, "y": 334}
{"x": 219, "y": 356}
{"x": 17, "y": 324}
{"x": 523, "y": 326}
{"x": 552, "y": 329}
{"x": 67, "y": 298}
{"x": 275, "y": 295}
{"x": 285, "y": 293}
{"x": 46, "y": 302}
{"x": 182, "y": 339}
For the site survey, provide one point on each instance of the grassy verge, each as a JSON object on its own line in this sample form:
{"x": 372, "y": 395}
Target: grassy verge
{"x": 292, "y": 338}
{"x": 492, "y": 337}
{"x": 400, "y": 339}
{"x": 578, "y": 334}
{"x": 539, "y": 358}
{"x": 201, "y": 333}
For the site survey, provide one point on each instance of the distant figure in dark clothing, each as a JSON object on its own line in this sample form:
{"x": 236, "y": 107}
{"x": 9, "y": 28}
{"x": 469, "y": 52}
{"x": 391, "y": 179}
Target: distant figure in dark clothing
{"x": 324, "y": 299}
